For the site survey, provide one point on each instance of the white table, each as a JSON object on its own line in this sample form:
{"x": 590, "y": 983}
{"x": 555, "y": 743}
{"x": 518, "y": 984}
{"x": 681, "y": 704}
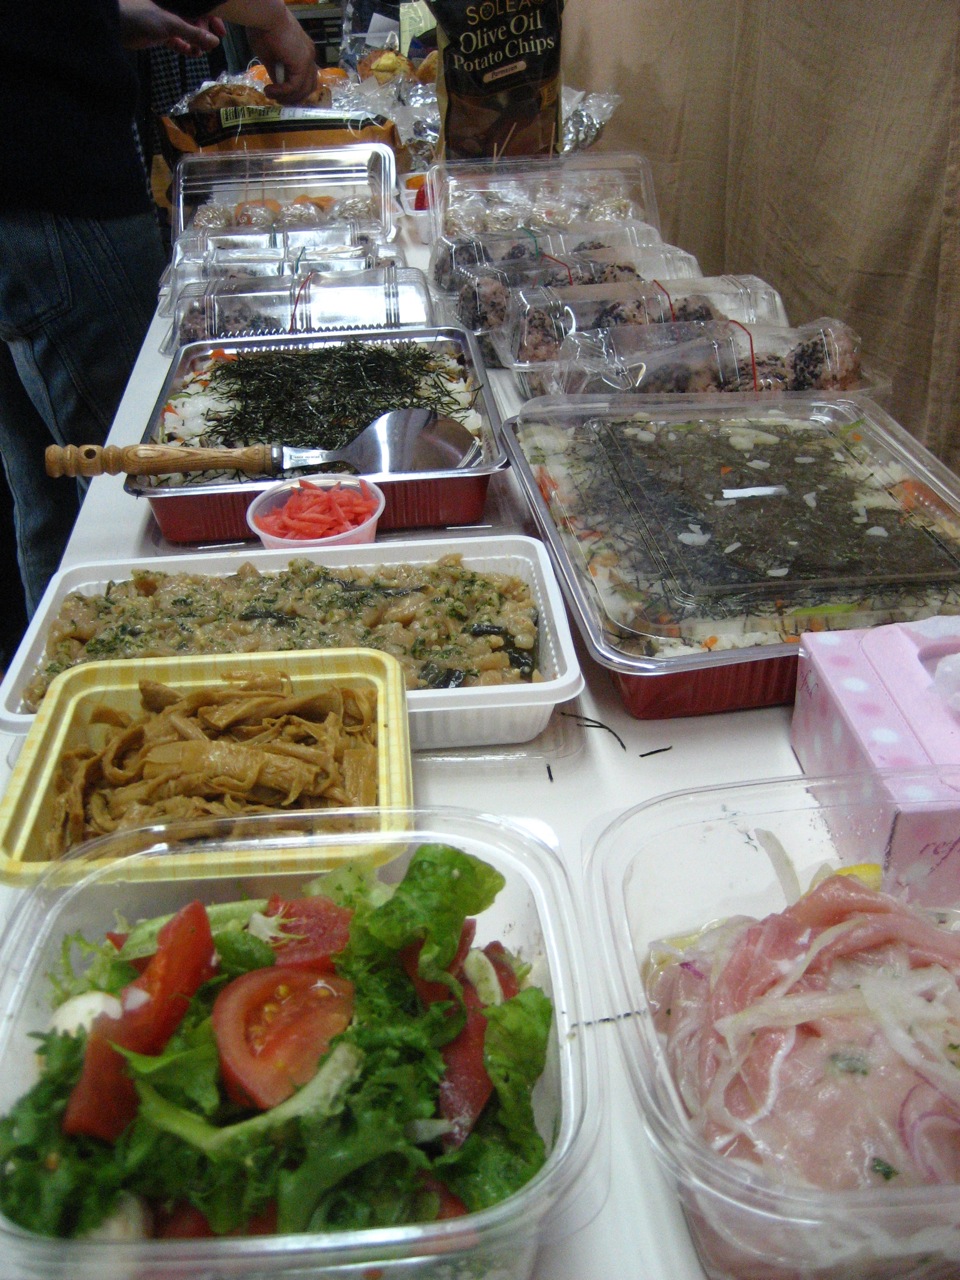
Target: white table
{"x": 570, "y": 782}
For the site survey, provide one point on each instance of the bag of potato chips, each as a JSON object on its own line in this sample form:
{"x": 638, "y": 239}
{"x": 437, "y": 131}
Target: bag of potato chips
{"x": 499, "y": 84}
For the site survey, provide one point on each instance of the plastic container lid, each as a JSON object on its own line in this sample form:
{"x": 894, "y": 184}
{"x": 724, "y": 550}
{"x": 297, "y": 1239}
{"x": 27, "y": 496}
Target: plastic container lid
{"x": 452, "y": 252}
{"x": 706, "y": 356}
{"x": 310, "y": 302}
{"x": 700, "y": 529}
{"x": 216, "y": 190}
{"x": 540, "y": 319}
{"x": 482, "y": 292}
{"x": 469, "y": 197}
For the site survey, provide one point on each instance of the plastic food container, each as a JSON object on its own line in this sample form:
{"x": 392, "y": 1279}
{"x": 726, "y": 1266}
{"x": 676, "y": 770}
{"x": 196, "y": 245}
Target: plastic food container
{"x": 483, "y": 301}
{"x": 700, "y": 357}
{"x": 530, "y": 341}
{"x": 63, "y": 724}
{"x": 470, "y": 197}
{"x": 451, "y": 253}
{"x": 533, "y": 913}
{"x": 224, "y": 190}
{"x": 212, "y": 507}
{"x": 313, "y": 301}
{"x": 278, "y": 495}
{"x": 485, "y": 715}
{"x": 697, "y": 539}
{"x": 748, "y": 850}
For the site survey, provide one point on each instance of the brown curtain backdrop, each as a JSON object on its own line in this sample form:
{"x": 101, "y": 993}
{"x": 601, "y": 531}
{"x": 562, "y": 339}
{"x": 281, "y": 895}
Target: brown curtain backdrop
{"x": 815, "y": 143}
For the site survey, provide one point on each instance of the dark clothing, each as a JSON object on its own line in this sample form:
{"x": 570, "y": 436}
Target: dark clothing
{"x": 80, "y": 253}
{"x": 70, "y": 148}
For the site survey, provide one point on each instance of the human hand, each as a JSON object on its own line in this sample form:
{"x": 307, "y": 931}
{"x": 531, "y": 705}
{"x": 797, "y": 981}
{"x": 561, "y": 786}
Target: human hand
{"x": 289, "y": 55}
{"x": 144, "y": 25}
{"x": 281, "y": 44}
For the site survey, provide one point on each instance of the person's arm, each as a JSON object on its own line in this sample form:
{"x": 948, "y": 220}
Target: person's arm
{"x": 144, "y": 24}
{"x": 281, "y": 44}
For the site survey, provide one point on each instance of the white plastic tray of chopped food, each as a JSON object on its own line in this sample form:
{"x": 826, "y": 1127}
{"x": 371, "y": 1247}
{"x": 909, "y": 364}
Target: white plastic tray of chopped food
{"x": 531, "y": 339}
{"x": 700, "y": 357}
{"x": 494, "y": 678}
{"x": 469, "y": 197}
{"x": 789, "y": 1028}
{"x": 333, "y": 293}
{"x": 697, "y": 538}
{"x": 118, "y": 745}
{"x": 220, "y": 191}
{"x": 481, "y": 300}
{"x": 337, "y": 1138}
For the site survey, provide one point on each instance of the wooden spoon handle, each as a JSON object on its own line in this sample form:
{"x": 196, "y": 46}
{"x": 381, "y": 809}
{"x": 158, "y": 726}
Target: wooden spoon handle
{"x": 156, "y": 459}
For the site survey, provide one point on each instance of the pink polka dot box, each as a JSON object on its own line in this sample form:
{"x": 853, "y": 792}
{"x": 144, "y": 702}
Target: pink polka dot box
{"x": 880, "y": 705}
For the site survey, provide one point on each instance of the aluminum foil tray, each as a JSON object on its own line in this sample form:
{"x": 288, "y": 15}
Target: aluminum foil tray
{"x": 215, "y": 511}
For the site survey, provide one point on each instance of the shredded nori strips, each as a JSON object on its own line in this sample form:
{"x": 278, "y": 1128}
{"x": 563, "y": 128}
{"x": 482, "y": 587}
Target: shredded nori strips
{"x": 321, "y": 398}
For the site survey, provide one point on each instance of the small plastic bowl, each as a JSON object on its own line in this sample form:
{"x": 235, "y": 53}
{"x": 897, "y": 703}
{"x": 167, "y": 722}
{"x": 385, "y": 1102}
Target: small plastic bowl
{"x": 278, "y": 494}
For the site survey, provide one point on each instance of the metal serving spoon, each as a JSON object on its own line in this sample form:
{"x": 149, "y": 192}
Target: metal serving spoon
{"x": 401, "y": 440}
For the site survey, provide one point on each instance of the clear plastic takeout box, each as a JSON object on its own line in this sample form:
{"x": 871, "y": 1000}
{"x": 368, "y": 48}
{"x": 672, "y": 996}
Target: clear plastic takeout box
{"x": 451, "y": 253}
{"x": 77, "y": 705}
{"x": 697, "y": 538}
{"x": 211, "y": 507}
{"x": 539, "y": 320}
{"x": 471, "y": 197}
{"x": 316, "y": 299}
{"x": 219, "y": 190}
{"x": 483, "y": 301}
{"x": 439, "y": 717}
{"x": 225, "y": 267}
{"x": 701, "y": 357}
{"x": 533, "y": 914}
{"x": 748, "y": 851}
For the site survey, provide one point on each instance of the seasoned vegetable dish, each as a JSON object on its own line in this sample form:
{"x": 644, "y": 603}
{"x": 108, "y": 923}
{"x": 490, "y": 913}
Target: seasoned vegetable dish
{"x": 447, "y": 625}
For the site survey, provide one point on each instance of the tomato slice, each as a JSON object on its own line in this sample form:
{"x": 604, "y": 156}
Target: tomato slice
{"x": 104, "y": 1100}
{"x": 449, "y": 1204}
{"x": 313, "y": 930}
{"x": 185, "y": 1222}
{"x": 496, "y": 953}
{"x": 272, "y": 1027}
{"x": 466, "y": 1087}
{"x": 430, "y": 992}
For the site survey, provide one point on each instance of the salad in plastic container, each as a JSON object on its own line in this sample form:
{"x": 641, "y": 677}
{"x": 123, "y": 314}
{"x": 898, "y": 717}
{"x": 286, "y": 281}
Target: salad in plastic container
{"x": 375, "y": 1061}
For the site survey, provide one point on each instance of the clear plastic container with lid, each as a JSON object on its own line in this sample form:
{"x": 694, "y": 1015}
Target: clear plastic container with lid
{"x": 698, "y": 357}
{"x": 742, "y": 853}
{"x": 470, "y": 197}
{"x": 533, "y": 914}
{"x": 697, "y": 538}
{"x": 219, "y": 191}
{"x": 482, "y": 300}
{"x": 449, "y": 253}
{"x": 540, "y": 319}
{"x": 311, "y": 302}
{"x": 236, "y": 253}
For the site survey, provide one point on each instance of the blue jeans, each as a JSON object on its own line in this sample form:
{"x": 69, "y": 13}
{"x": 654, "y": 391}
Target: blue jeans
{"x": 76, "y": 299}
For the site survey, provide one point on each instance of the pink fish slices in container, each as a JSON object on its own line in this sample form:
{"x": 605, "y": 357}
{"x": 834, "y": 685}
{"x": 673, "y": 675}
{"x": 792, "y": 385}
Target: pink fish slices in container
{"x": 793, "y": 1045}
